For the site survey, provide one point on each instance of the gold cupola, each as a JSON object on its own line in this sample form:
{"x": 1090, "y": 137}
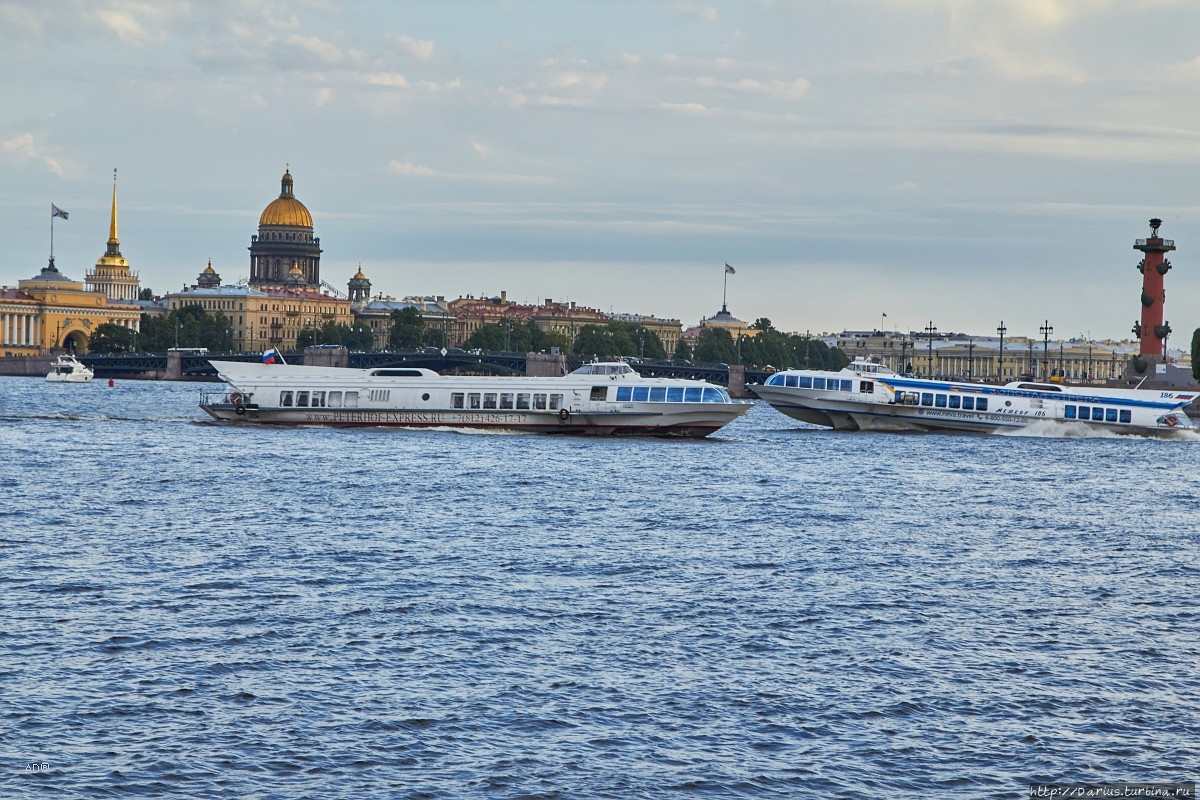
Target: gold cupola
{"x": 286, "y": 209}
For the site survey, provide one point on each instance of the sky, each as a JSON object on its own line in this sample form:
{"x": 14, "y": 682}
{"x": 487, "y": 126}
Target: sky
{"x": 943, "y": 162}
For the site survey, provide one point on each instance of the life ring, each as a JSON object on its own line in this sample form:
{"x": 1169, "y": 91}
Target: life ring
{"x": 563, "y": 415}
{"x": 1171, "y": 420}
{"x": 237, "y": 398}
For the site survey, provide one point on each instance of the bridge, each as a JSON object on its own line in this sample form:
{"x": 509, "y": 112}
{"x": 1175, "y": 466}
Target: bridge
{"x": 197, "y": 367}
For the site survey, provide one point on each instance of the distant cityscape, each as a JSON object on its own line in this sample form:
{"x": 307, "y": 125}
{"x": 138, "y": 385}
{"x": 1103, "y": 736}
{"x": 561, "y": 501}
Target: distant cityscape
{"x": 283, "y": 302}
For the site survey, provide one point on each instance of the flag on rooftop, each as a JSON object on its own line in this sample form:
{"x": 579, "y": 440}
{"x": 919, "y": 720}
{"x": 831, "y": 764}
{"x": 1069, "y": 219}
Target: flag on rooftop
{"x": 55, "y": 211}
{"x": 729, "y": 270}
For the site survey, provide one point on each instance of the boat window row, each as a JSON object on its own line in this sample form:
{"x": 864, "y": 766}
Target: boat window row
{"x": 809, "y": 382}
{"x": 521, "y": 401}
{"x": 1097, "y": 413}
{"x": 671, "y": 394}
{"x": 937, "y": 400}
{"x": 309, "y": 399}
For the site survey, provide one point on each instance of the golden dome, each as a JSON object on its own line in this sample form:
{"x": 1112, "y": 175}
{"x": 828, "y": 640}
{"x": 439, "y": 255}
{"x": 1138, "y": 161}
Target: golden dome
{"x": 286, "y": 209}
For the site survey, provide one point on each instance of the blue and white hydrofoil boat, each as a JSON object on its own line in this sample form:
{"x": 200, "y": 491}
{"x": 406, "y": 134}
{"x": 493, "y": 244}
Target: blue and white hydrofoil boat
{"x": 870, "y": 397}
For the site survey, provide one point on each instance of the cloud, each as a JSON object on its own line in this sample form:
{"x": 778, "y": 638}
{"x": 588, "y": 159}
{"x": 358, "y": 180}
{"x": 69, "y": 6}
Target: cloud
{"x": 409, "y": 169}
{"x": 417, "y": 48}
{"x": 567, "y": 80}
{"x": 704, "y": 13}
{"x": 392, "y": 79}
{"x": 322, "y": 50}
{"x": 22, "y": 149}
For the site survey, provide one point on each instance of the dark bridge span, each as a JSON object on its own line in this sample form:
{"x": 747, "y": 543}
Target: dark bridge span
{"x": 146, "y": 365}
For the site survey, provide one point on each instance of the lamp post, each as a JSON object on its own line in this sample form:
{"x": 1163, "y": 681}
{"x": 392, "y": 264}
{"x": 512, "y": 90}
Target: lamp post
{"x": 1061, "y": 372}
{"x": 903, "y": 369}
{"x": 1000, "y": 367}
{"x": 930, "y": 330}
{"x": 1045, "y": 331}
{"x": 971, "y": 359}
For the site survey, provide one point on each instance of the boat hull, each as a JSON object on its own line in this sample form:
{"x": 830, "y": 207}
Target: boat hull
{"x": 684, "y": 423}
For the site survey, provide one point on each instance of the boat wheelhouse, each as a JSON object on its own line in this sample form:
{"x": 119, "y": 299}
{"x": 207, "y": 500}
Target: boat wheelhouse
{"x": 868, "y": 396}
{"x": 601, "y": 398}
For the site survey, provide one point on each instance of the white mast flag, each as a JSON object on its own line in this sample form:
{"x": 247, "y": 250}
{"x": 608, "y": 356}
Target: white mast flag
{"x": 729, "y": 270}
{"x": 55, "y": 211}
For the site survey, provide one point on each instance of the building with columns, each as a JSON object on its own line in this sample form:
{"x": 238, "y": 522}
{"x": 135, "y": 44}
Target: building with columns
{"x": 285, "y": 242}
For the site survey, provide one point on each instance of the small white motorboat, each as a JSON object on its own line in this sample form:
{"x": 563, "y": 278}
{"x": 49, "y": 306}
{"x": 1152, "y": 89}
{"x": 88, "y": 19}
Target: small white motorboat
{"x": 68, "y": 369}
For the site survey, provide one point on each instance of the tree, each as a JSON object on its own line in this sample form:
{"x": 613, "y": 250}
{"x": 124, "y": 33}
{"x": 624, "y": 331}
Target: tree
{"x": 407, "y": 329}
{"x": 110, "y": 338}
{"x": 715, "y": 346}
{"x": 683, "y": 350}
{"x": 146, "y": 294}
{"x": 1196, "y": 354}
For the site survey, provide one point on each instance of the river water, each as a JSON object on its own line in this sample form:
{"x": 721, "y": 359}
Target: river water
{"x": 214, "y": 611}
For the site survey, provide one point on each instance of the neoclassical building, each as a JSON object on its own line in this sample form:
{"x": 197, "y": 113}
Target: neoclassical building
{"x": 50, "y": 311}
{"x": 285, "y": 242}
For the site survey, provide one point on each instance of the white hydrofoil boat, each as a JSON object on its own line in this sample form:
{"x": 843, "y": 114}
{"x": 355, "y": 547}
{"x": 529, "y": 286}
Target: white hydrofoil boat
{"x": 869, "y": 396}
{"x": 601, "y": 398}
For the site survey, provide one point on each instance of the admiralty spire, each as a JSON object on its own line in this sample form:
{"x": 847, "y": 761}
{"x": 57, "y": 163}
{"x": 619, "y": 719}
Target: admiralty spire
{"x": 112, "y": 275}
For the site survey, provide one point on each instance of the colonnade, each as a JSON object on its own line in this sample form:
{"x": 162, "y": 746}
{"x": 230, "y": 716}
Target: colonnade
{"x": 20, "y": 330}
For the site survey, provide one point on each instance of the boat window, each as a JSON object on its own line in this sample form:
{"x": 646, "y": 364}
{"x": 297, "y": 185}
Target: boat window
{"x": 776, "y": 380}
{"x": 866, "y": 387}
{"x": 539, "y": 402}
{"x": 955, "y": 401}
{"x": 302, "y": 399}
{"x": 969, "y": 403}
{"x": 818, "y": 383}
{"x": 318, "y": 399}
{"x": 397, "y": 373}
{"x": 1110, "y": 415}
{"x": 674, "y": 394}
{"x": 335, "y": 399}
{"x": 1085, "y": 412}
{"x": 1125, "y": 415}
{"x": 458, "y": 400}
{"x": 981, "y": 404}
{"x": 641, "y": 394}
{"x": 285, "y": 398}
{"x": 489, "y": 400}
{"x": 805, "y": 382}
{"x": 522, "y": 400}
{"x": 714, "y": 395}
{"x": 1097, "y": 413}
{"x": 351, "y": 400}
{"x": 926, "y": 398}
{"x": 658, "y": 394}
{"x": 940, "y": 401}
{"x": 847, "y": 386}
{"x": 1069, "y": 412}
{"x": 599, "y": 393}
{"x": 694, "y": 394}
{"x": 625, "y": 393}
{"x": 556, "y": 402}
{"x": 473, "y": 400}
{"x": 792, "y": 381}
{"x": 506, "y": 400}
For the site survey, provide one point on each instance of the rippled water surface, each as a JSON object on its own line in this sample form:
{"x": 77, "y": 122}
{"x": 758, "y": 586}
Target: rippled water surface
{"x": 215, "y": 611}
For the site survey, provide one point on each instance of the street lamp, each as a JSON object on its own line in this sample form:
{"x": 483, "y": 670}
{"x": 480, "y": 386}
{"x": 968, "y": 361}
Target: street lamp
{"x": 930, "y": 330}
{"x": 1045, "y": 331}
{"x": 1000, "y": 367}
{"x": 971, "y": 359}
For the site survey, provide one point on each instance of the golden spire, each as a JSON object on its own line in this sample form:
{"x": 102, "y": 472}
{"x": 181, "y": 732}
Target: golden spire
{"x": 112, "y": 226}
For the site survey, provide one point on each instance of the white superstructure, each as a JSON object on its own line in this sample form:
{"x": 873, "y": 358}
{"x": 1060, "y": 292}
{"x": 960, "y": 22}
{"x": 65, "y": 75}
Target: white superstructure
{"x": 67, "y": 369}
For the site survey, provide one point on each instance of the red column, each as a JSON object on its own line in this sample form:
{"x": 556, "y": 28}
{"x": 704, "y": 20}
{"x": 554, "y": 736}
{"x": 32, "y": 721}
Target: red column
{"x": 1150, "y": 329}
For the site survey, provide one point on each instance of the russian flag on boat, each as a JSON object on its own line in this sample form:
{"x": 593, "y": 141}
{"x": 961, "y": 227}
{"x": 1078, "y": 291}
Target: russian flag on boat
{"x": 271, "y": 356}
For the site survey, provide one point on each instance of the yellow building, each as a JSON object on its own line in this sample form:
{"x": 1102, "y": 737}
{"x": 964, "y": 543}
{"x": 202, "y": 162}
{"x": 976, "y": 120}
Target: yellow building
{"x": 50, "y": 311}
{"x": 111, "y": 275}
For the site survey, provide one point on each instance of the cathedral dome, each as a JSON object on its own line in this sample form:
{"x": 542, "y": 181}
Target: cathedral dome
{"x": 286, "y": 209}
